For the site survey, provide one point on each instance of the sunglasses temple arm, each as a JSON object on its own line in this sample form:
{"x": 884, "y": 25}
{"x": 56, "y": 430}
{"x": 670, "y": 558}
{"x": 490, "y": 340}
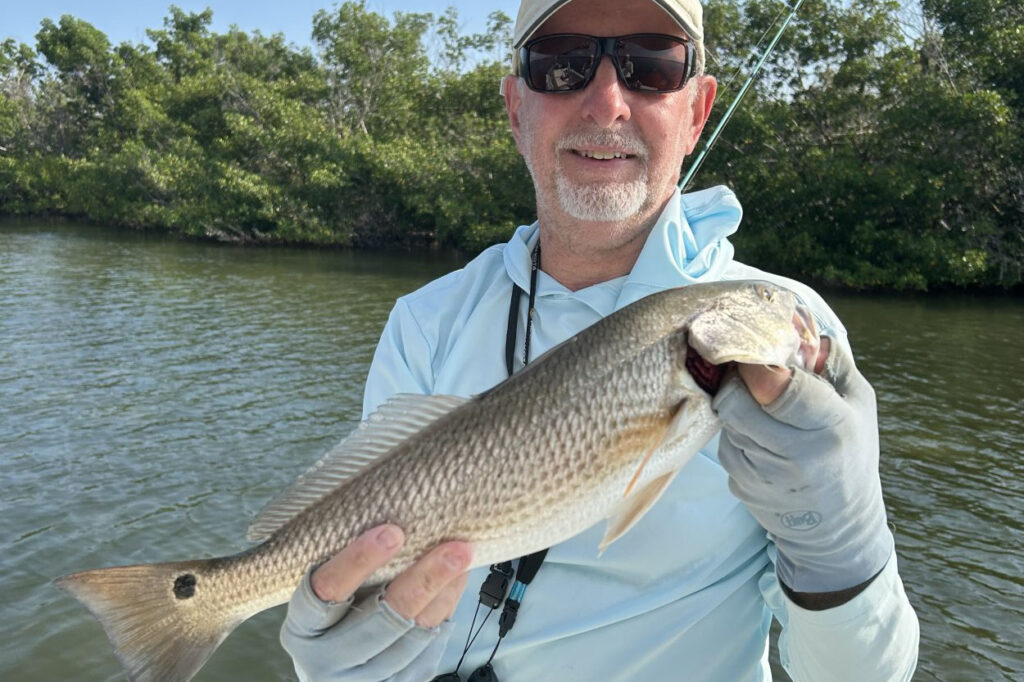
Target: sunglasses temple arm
{"x": 695, "y": 166}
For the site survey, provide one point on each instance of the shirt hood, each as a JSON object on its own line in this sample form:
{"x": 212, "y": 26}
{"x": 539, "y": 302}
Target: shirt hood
{"x": 689, "y": 243}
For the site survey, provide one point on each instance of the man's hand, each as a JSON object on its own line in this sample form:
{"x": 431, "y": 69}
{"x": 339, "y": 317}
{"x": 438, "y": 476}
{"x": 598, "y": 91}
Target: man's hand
{"x": 426, "y": 592}
{"x": 801, "y": 450}
{"x": 766, "y": 383}
{"x": 396, "y": 632}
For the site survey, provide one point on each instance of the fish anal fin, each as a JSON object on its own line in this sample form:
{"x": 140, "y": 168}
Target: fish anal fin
{"x": 632, "y": 508}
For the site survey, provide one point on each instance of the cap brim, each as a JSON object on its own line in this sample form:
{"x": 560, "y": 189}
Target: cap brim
{"x": 527, "y": 24}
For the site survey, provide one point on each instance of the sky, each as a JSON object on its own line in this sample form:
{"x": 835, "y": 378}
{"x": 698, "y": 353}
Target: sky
{"x": 127, "y": 20}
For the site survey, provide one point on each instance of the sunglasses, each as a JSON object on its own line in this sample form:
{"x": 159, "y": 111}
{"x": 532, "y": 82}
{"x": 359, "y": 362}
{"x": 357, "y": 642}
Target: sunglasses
{"x": 647, "y": 62}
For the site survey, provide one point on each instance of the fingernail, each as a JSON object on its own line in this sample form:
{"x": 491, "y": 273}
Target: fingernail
{"x": 455, "y": 560}
{"x": 389, "y": 537}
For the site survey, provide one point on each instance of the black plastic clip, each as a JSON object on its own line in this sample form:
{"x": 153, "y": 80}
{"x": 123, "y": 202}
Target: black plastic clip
{"x": 508, "y": 616}
{"x": 495, "y": 587}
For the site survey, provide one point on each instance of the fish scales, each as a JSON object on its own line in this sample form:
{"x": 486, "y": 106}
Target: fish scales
{"x": 565, "y": 430}
{"x": 491, "y": 498}
{"x": 594, "y": 428}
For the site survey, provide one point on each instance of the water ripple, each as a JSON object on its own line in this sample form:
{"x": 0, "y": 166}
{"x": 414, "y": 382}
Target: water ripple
{"x": 154, "y": 395}
{"x": 949, "y": 375}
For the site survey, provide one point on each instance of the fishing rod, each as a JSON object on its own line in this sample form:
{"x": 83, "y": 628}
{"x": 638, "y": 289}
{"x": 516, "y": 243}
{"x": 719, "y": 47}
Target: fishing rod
{"x": 695, "y": 166}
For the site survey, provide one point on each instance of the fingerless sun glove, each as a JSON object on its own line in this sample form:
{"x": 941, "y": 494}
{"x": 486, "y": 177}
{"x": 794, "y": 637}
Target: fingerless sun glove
{"x": 806, "y": 466}
{"x": 362, "y": 642}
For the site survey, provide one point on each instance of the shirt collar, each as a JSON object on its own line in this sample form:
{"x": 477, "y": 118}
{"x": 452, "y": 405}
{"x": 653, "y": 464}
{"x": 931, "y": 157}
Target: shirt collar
{"x": 689, "y": 243}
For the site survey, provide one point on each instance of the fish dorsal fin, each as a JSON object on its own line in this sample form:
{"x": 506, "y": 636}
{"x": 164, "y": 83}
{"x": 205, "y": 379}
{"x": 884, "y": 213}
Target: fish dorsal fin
{"x": 399, "y": 418}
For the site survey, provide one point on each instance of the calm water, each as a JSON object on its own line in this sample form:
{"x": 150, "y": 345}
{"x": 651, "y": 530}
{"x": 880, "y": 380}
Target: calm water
{"x": 154, "y": 394}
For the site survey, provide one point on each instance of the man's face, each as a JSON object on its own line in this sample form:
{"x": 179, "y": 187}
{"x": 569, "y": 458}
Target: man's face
{"x": 559, "y": 135}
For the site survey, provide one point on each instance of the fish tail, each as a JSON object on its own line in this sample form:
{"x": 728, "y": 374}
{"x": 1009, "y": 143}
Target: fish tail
{"x": 162, "y": 622}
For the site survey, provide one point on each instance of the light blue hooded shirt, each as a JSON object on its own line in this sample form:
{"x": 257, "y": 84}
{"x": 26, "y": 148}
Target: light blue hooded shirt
{"x": 689, "y": 592}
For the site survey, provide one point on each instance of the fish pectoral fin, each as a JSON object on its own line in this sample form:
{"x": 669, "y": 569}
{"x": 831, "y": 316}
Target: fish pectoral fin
{"x": 636, "y": 503}
{"x": 631, "y": 509}
{"x": 688, "y": 414}
{"x": 681, "y": 422}
{"x": 639, "y": 470}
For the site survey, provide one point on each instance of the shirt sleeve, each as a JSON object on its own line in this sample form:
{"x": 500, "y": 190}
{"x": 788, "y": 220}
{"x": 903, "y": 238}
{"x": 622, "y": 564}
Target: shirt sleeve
{"x": 402, "y": 362}
{"x": 871, "y": 638}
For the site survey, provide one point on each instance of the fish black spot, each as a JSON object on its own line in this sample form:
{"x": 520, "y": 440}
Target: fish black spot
{"x": 185, "y": 586}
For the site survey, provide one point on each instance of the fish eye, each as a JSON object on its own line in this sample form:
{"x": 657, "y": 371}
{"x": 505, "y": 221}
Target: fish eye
{"x": 766, "y": 293}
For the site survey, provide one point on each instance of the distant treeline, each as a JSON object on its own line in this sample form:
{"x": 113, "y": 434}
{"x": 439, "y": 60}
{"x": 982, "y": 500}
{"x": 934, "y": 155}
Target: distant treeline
{"x": 882, "y": 148}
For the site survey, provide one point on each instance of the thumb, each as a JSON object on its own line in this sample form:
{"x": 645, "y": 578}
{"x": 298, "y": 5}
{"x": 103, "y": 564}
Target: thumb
{"x": 841, "y": 371}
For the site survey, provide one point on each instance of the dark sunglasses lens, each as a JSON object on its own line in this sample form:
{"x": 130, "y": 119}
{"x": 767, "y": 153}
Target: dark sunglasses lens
{"x": 447, "y": 677}
{"x": 652, "y": 63}
{"x": 560, "y": 63}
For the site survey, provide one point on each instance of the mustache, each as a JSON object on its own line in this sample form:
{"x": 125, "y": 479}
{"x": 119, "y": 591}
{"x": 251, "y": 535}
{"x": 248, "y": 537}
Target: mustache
{"x": 627, "y": 142}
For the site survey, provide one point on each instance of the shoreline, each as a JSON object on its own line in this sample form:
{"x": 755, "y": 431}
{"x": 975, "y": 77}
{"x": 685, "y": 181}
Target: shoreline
{"x": 460, "y": 256}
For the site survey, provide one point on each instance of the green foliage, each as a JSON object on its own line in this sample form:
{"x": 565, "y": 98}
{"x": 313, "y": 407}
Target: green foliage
{"x": 864, "y": 160}
{"x": 376, "y": 70}
{"x": 243, "y": 137}
{"x": 864, "y": 156}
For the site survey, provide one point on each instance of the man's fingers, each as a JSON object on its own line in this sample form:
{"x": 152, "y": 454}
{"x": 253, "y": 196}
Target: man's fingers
{"x": 808, "y": 403}
{"x": 823, "y": 351}
{"x": 417, "y": 586}
{"x": 443, "y": 606}
{"x": 337, "y": 579}
{"x": 810, "y": 340}
{"x": 841, "y": 371}
{"x": 764, "y": 383}
{"x": 767, "y": 383}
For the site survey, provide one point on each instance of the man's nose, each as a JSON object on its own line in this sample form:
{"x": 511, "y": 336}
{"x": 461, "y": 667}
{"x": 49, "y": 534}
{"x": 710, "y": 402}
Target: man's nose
{"x": 605, "y": 97}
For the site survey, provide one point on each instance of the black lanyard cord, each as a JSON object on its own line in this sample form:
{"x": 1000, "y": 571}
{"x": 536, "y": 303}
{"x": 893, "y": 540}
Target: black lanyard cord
{"x": 513, "y": 315}
{"x": 470, "y": 636}
{"x": 534, "y": 267}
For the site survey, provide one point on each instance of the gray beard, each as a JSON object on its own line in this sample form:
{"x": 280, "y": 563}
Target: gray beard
{"x": 606, "y": 202}
{"x": 609, "y": 201}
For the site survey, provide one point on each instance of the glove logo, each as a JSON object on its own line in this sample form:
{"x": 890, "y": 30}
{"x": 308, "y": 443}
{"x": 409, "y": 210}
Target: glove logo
{"x": 801, "y": 520}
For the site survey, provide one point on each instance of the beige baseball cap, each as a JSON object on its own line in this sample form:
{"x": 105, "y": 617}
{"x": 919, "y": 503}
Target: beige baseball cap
{"x": 687, "y": 13}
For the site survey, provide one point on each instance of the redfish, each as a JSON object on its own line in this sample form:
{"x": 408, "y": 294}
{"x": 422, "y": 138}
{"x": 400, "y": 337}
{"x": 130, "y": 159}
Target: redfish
{"x": 594, "y": 429}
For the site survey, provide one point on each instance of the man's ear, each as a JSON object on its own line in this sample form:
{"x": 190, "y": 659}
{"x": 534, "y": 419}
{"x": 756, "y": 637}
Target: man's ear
{"x": 513, "y": 98}
{"x": 700, "y": 109}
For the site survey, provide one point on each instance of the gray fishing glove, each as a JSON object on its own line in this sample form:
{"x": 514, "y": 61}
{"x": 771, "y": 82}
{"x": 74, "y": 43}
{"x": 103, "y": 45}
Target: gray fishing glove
{"x": 365, "y": 642}
{"x": 806, "y": 465}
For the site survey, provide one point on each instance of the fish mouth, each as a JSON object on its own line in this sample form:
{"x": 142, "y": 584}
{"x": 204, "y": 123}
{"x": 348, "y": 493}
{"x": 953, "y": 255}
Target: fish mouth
{"x": 705, "y": 374}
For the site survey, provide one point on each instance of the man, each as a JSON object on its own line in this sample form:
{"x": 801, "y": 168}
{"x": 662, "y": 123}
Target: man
{"x": 689, "y": 592}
